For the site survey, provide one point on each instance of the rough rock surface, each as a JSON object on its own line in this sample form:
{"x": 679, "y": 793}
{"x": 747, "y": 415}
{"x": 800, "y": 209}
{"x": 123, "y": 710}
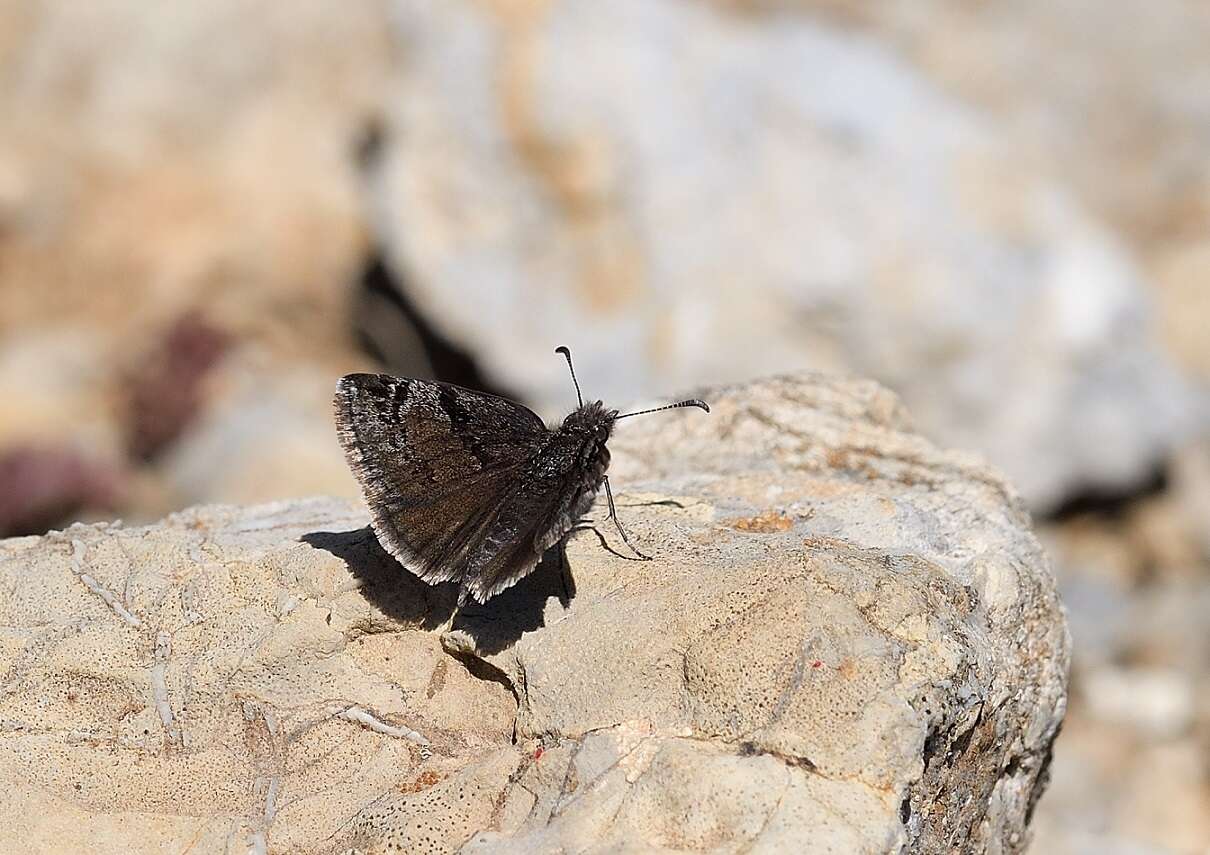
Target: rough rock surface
{"x": 849, "y": 641}
{"x": 665, "y": 151}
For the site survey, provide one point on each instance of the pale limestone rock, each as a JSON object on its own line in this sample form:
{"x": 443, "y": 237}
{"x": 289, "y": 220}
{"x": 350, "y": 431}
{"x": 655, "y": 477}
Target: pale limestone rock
{"x": 849, "y": 641}
{"x": 695, "y": 192}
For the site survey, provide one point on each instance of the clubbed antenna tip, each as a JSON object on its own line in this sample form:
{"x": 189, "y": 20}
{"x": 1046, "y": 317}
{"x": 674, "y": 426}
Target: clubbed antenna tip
{"x": 567, "y": 355}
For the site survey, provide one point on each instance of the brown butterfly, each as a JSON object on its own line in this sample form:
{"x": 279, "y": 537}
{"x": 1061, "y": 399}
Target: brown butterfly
{"x": 470, "y": 487}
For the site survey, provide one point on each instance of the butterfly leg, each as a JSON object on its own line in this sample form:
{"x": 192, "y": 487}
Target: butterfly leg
{"x": 613, "y": 515}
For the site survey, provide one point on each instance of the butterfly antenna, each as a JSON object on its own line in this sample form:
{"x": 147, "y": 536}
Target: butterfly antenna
{"x": 693, "y": 402}
{"x": 567, "y": 355}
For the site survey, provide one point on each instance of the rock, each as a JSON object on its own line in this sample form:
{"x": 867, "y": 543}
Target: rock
{"x": 1111, "y": 791}
{"x": 1128, "y": 774}
{"x": 1191, "y": 485}
{"x": 721, "y": 194}
{"x": 174, "y": 185}
{"x": 44, "y": 484}
{"x": 1118, "y": 111}
{"x": 772, "y": 191}
{"x": 849, "y": 641}
{"x": 1185, "y": 302}
{"x": 266, "y": 431}
{"x": 190, "y": 171}
{"x": 1156, "y": 700}
{"x": 165, "y": 390}
{"x": 54, "y": 385}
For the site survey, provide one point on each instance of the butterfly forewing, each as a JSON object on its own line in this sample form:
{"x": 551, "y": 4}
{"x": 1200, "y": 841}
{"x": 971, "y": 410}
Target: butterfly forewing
{"x": 439, "y": 465}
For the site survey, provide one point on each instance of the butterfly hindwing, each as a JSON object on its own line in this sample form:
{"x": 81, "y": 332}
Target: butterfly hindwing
{"x": 559, "y": 487}
{"x": 439, "y": 465}
{"x": 537, "y": 515}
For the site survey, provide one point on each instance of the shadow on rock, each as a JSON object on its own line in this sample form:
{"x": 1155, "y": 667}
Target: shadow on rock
{"x": 493, "y": 626}
{"x": 498, "y": 623}
{"x": 395, "y": 592}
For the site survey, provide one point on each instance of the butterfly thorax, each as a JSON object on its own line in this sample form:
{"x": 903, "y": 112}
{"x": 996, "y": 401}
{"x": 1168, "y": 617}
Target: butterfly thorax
{"x": 578, "y": 446}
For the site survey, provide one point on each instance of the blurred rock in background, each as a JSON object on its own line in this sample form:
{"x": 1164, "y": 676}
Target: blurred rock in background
{"x": 694, "y": 194}
{"x": 210, "y": 211}
{"x": 175, "y": 166}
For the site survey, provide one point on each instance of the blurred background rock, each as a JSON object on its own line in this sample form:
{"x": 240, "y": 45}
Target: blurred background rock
{"x": 209, "y": 211}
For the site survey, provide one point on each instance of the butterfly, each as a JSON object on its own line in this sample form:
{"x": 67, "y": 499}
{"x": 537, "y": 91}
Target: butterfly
{"x": 470, "y": 487}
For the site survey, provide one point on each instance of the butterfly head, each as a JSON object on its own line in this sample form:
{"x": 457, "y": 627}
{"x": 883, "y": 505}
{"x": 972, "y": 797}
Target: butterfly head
{"x": 591, "y": 421}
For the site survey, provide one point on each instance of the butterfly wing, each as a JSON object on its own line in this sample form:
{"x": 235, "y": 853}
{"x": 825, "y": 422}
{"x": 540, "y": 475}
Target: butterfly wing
{"x": 560, "y": 486}
{"x": 534, "y": 517}
{"x": 438, "y": 464}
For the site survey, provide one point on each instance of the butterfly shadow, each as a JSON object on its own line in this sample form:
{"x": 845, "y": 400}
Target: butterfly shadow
{"x": 494, "y": 626}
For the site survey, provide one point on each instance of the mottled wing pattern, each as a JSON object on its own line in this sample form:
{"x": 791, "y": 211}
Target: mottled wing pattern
{"x": 439, "y": 466}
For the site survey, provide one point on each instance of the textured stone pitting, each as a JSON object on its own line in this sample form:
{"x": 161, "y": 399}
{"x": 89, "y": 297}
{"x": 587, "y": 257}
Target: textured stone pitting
{"x": 849, "y": 641}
